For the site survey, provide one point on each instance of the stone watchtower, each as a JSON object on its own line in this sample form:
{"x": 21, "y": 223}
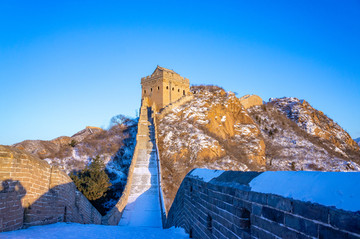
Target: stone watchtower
{"x": 163, "y": 87}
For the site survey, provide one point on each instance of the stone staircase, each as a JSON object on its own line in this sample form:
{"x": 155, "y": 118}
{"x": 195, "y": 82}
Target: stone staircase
{"x": 143, "y": 207}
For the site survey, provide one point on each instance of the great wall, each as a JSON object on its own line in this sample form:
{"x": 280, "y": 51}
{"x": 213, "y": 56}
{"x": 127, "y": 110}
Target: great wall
{"x": 35, "y": 193}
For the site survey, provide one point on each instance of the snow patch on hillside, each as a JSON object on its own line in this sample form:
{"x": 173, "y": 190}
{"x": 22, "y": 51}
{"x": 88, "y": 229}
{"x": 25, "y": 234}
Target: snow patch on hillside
{"x": 288, "y": 149}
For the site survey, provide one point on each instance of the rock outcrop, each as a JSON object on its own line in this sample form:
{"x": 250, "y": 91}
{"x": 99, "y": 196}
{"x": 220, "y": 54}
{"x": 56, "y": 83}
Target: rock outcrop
{"x": 290, "y": 147}
{"x": 315, "y": 122}
{"x": 213, "y": 130}
{"x": 250, "y": 100}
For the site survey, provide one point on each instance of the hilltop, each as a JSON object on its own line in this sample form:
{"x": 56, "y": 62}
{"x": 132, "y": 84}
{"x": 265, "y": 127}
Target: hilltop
{"x": 214, "y": 130}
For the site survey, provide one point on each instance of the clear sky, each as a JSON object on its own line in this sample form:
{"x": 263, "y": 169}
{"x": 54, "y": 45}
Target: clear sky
{"x": 65, "y": 65}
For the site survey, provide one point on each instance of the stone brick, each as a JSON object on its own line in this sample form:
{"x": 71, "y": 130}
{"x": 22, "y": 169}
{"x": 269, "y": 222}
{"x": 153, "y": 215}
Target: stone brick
{"x": 242, "y": 204}
{"x": 345, "y": 220}
{"x": 301, "y": 225}
{"x": 331, "y": 233}
{"x": 311, "y": 211}
{"x": 279, "y": 202}
{"x": 258, "y": 197}
{"x": 229, "y": 190}
{"x": 257, "y": 232}
{"x": 273, "y": 214}
{"x": 244, "y": 195}
{"x": 256, "y": 209}
{"x": 242, "y": 223}
{"x": 5, "y": 155}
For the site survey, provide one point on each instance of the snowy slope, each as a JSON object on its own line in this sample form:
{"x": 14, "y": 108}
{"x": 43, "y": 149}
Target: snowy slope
{"x": 315, "y": 122}
{"x": 75, "y": 231}
{"x": 289, "y": 147}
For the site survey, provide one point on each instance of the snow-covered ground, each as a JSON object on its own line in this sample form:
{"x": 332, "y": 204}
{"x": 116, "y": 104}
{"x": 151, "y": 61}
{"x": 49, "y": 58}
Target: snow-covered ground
{"x": 339, "y": 189}
{"x": 205, "y": 174}
{"x": 63, "y": 230}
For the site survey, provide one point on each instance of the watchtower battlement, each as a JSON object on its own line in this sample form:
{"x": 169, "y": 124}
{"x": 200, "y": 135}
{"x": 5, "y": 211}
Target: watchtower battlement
{"x": 163, "y": 87}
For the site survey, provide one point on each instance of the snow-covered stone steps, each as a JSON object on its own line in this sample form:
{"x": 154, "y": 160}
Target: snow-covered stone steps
{"x": 143, "y": 207}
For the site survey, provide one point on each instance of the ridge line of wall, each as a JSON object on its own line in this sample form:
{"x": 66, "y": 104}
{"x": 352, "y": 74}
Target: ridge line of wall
{"x": 174, "y": 105}
{"x": 114, "y": 215}
{"x": 161, "y": 195}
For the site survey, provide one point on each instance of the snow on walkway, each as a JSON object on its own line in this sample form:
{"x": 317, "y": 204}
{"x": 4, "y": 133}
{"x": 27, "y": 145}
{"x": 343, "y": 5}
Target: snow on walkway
{"x": 143, "y": 207}
{"x": 142, "y": 214}
{"x": 63, "y": 230}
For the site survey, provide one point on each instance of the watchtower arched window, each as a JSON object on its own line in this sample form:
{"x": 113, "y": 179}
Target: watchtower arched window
{"x": 151, "y": 89}
{"x": 178, "y": 90}
{"x": 183, "y": 92}
{"x": 173, "y": 88}
{"x": 167, "y": 87}
{"x": 158, "y": 87}
{"x": 144, "y": 91}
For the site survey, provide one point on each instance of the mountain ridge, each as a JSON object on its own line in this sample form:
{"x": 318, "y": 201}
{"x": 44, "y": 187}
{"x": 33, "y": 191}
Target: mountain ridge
{"x": 214, "y": 130}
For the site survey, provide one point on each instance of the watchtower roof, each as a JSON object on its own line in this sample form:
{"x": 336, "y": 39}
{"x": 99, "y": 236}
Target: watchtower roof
{"x": 164, "y": 69}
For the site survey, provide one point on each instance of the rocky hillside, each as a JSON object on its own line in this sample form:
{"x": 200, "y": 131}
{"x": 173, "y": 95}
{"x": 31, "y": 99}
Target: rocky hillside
{"x": 114, "y": 146}
{"x": 211, "y": 131}
{"x": 215, "y": 131}
{"x": 293, "y": 143}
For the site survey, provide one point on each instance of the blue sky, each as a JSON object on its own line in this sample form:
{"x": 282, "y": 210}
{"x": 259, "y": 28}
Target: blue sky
{"x": 65, "y": 65}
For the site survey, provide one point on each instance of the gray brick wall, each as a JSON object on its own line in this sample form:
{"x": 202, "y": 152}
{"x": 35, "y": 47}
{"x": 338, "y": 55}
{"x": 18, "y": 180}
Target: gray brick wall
{"x": 225, "y": 207}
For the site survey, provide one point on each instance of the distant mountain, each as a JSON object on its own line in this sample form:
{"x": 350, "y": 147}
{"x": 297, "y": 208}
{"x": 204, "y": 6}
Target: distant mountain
{"x": 215, "y": 131}
{"x": 357, "y": 141}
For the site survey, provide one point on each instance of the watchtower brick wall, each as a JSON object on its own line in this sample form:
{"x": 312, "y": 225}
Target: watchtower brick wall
{"x": 163, "y": 87}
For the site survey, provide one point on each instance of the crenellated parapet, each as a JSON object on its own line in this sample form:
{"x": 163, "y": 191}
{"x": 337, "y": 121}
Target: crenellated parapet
{"x": 230, "y": 204}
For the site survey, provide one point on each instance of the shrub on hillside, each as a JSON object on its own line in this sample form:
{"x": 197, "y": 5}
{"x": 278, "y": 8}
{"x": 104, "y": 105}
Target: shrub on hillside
{"x": 93, "y": 181}
{"x": 73, "y": 143}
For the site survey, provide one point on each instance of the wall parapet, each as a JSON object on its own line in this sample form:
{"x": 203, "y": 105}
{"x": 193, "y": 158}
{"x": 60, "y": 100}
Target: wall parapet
{"x": 161, "y": 194}
{"x": 114, "y": 215}
{"x": 174, "y": 105}
{"x": 34, "y": 193}
{"x": 226, "y": 207}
